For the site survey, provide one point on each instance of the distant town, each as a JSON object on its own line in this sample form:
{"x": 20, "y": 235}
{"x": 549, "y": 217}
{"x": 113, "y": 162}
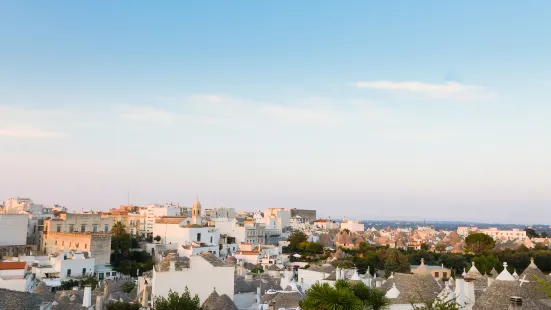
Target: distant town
{"x": 142, "y": 257}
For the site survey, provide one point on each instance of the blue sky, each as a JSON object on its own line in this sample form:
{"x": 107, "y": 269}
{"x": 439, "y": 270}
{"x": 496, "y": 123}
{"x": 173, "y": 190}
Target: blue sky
{"x": 375, "y": 110}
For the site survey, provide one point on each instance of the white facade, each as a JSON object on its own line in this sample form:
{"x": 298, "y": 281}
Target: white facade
{"x": 155, "y": 210}
{"x": 282, "y": 218}
{"x": 13, "y": 229}
{"x": 185, "y": 235}
{"x": 21, "y": 205}
{"x": 65, "y": 265}
{"x": 201, "y": 278}
{"x": 13, "y": 276}
{"x": 508, "y": 234}
{"x": 353, "y": 226}
{"x": 222, "y": 212}
{"x": 248, "y": 232}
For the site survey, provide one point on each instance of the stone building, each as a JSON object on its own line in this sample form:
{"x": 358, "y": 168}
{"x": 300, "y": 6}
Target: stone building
{"x": 97, "y": 244}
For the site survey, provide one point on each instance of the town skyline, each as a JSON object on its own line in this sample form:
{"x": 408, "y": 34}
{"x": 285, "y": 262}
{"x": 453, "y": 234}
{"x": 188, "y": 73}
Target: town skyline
{"x": 418, "y": 110}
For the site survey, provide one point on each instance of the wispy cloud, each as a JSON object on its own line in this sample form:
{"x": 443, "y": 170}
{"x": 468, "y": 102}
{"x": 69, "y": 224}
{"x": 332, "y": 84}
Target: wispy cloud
{"x": 29, "y": 133}
{"x": 451, "y": 90}
{"x": 148, "y": 114}
{"x": 301, "y": 115}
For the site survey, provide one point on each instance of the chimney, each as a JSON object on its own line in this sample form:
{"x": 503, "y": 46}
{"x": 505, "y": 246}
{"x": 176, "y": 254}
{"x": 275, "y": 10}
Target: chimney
{"x": 99, "y": 302}
{"x": 172, "y": 266}
{"x": 515, "y": 303}
{"x": 272, "y": 306}
{"x": 145, "y": 302}
{"x": 258, "y": 294}
{"x": 87, "y": 299}
{"x": 105, "y": 291}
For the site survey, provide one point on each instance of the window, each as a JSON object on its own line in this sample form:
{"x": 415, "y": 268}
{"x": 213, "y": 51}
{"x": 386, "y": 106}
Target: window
{"x": 71, "y": 227}
{"x": 85, "y": 245}
{"x": 83, "y": 271}
{"x": 58, "y": 228}
{"x": 82, "y": 228}
{"x": 56, "y": 242}
{"x": 78, "y": 244}
{"x": 211, "y": 239}
{"x": 95, "y": 228}
{"x": 198, "y": 236}
{"x": 113, "y": 273}
{"x": 106, "y": 229}
{"x": 68, "y": 272}
{"x": 436, "y": 274}
{"x": 63, "y": 243}
{"x": 444, "y": 274}
{"x": 107, "y": 274}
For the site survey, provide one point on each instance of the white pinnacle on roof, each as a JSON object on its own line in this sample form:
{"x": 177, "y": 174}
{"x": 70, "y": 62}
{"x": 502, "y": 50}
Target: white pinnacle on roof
{"x": 532, "y": 265}
{"x": 515, "y": 274}
{"x": 473, "y": 271}
{"x": 505, "y": 275}
{"x": 393, "y": 292}
{"x": 355, "y": 276}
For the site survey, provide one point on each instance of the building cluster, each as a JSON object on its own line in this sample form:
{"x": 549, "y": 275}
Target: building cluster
{"x": 229, "y": 259}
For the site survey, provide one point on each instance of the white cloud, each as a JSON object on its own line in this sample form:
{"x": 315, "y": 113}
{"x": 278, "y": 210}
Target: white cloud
{"x": 300, "y": 115}
{"x": 449, "y": 90}
{"x": 30, "y": 133}
{"x": 148, "y": 114}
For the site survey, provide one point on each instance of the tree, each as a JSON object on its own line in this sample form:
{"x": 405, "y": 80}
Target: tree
{"x": 440, "y": 247}
{"x": 479, "y": 243}
{"x": 127, "y": 287}
{"x": 371, "y": 298}
{"x": 118, "y": 229}
{"x": 344, "y": 296}
{"x": 157, "y": 238}
{"x": 314, "y": 248}
{"x": 323, "y": 296}
{"x": 296, "y": 238}
{"x": 438, "y": 304}
{"x": 531, "y": 233}
{"x": 121, "y": 305}
{"x": 544, "y": 234}
{"x": 396, "y": 262}
{"x": 177, "y": 302}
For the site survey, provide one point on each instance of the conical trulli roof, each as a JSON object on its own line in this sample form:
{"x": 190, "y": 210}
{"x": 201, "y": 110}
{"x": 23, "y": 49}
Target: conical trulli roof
{"x": 44, "y": 292}
{"x": 210, "y": 302}
{"x": 225, "y": 303}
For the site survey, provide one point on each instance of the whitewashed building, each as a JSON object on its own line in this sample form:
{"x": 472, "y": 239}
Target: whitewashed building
{"x": 201, "y": 274}
{"x": 13, "y": 229}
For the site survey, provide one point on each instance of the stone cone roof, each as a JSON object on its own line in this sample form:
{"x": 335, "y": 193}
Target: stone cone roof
{"x": 44, "y": 292}
{"x": 412, "y": 287}
{"x": 224, "y": 302}
{"x": 210, "y": 302}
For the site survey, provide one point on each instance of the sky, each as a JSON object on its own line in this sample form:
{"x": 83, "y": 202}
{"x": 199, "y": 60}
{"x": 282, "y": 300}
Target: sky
{"x": 366, "y": 109}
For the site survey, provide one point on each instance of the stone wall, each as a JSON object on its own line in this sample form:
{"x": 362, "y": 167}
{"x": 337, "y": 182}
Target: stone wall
{"x": 97, "y": 244}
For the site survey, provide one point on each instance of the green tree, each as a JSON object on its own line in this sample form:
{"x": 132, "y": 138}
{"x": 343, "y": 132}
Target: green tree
{"x": 440, "y": 247}
{"x": 121, "y": 305}
{"x": 479, "y": 243}
{"x": 395, "y": 261}
{"x": 296, "y": 238}
{"x": 343, "y": 296}
{"x": 544, "y": 234}
{"x": 314, "y": 248}
{"x": 531, "y": 233}
{"x": 372, "y": 299}
{"x": 437, "y": 304}
{"x": 323, "y": 296}
{"x": 118, "y": 229}
{"x": 127, "y": 287}
{"x": 157, "y": 238}
{"x": 177, "y": 302}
